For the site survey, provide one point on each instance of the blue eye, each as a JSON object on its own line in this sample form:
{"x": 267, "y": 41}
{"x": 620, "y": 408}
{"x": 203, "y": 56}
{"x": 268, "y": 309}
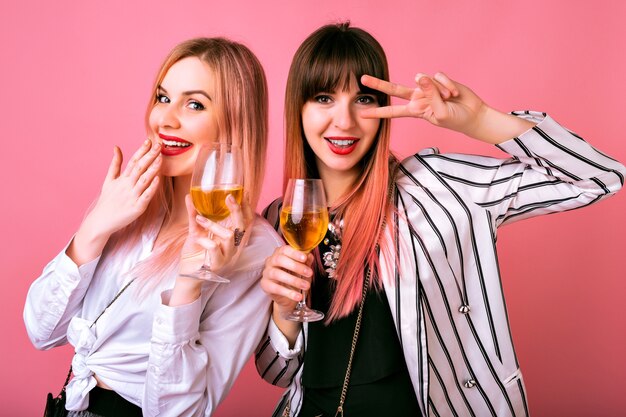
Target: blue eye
{"x": 161, "y": 98}
{"x": 196, "y": 105}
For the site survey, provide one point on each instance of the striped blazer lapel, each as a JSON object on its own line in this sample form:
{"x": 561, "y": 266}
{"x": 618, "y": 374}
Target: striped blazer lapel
{"x": 440, "y": 275}
{"x": 402, "y": 288}
{"x": 429, "y": 283}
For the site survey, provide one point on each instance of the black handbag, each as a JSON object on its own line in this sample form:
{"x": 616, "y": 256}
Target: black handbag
{"x": 55, "y": 406}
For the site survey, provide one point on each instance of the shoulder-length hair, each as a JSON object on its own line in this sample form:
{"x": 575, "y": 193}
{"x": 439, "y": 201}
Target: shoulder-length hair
{"x": 325, "y": 62}
{"x": 240, "y": 103}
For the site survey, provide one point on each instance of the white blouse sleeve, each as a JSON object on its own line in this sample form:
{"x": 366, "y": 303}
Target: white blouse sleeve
{"x": 54, "y": 298}
{"x": 197, "y": 350}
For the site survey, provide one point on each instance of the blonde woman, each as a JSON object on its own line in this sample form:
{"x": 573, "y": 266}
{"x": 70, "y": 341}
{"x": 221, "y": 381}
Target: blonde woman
{"x": 408, "y": 274}
{"x": 169, "y": 345}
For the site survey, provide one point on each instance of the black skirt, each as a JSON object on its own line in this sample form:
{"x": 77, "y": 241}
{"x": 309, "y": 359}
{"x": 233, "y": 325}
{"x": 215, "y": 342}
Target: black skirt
{"x": 108, "y": 403}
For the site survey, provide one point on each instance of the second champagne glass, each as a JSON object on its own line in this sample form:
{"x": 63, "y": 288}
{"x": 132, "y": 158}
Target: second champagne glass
{"x": 218, "y": 172}
{"x": 304, "y": 221}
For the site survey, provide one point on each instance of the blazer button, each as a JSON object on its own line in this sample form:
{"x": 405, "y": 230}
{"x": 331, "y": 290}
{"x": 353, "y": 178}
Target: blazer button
{"x": 470, "y": 383}
{"x": 464, "y": 309}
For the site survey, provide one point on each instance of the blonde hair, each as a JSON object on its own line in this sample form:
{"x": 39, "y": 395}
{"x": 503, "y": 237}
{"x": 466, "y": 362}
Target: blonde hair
{"x": 240, "y": 100}
{"x": 326, "y": 61}
{"x": 240, "y": 103}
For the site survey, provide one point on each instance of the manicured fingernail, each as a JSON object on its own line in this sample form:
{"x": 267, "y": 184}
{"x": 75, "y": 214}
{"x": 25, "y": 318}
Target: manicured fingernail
{"x": 201, "y": 219}
{"x": 146, "y": 142}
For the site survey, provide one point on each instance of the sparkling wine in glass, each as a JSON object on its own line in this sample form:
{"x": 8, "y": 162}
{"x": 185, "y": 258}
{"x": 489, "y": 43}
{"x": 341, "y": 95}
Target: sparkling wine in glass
{"x": 304, "y": 221}
{"x": 218, "y": 172}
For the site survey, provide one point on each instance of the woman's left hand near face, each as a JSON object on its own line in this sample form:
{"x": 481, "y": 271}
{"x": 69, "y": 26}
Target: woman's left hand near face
{"x": 124, "y": 197}
{"x": 222, "y": 246}
{"x": 437, "y": 99}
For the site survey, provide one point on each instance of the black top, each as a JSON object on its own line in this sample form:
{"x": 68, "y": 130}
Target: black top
{"x": 379, "y": 383}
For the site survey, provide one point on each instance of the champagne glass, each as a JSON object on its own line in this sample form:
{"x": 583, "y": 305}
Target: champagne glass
{"x": 218, "y": 172}
{"x": 304, "y": 221}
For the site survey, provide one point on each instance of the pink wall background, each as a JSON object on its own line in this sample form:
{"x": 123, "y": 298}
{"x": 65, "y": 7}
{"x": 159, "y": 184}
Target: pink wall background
{"x": 75, "y": 80}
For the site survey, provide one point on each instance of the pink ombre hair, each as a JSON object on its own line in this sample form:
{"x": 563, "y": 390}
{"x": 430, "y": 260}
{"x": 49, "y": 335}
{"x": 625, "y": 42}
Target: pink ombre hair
{"x": 326, "y": 61}
{"x": 241, "y": 108}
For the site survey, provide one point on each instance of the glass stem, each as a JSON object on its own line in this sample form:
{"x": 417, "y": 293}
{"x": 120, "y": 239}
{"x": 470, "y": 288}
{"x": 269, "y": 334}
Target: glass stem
{"x": 207, "y": 258}
{"x": 302, "y": 304}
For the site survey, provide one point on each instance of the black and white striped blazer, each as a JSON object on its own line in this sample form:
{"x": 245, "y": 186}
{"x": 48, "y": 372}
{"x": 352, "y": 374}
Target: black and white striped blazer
{"x": 445, "y": 291}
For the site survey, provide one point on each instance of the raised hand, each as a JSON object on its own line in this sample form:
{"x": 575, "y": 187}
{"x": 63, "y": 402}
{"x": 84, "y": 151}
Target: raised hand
{"x": 220, "y": 246}
{"x": 446, "y": 103}
{"x": 286, "y": 272}
{"x": 123, "y": 198}
{"x": 283, "y": 276}
{"x": 437, "y": 99}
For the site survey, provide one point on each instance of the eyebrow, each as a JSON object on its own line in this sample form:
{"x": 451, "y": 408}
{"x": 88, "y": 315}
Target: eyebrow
{"x": 188, "y": 93}
{"x": 358, "y": 93}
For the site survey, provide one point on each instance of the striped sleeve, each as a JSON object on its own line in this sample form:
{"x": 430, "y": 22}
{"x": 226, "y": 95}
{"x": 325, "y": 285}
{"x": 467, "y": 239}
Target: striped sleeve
{"x": 550, "y": 170}
{"x": 275, "y": 361}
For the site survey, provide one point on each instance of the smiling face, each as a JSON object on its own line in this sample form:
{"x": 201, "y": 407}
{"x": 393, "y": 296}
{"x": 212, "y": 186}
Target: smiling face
{"x": 183, "y": 116}
{"x": 336, "y": 133}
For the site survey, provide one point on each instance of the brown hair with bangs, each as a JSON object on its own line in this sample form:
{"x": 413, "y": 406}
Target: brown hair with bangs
{"x": 326, "y": 61}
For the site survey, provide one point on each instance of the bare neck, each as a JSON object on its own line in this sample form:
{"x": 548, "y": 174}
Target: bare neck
{"x": 337, "y": 185}
{"x": 178, "y": 215}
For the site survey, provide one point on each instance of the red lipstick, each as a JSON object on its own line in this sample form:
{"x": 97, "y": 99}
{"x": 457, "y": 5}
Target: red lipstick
{"x": 173, "y": 145}
{"x": 342, "y": 145}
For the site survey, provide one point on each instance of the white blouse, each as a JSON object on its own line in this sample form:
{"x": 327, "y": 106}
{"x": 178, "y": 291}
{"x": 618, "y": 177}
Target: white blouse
{"x": 171, "y": 361}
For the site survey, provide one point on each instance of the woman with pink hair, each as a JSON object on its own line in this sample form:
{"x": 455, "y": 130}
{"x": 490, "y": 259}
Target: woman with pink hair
{"x": 169, "y": 345}
{"x": 407, "y": 274}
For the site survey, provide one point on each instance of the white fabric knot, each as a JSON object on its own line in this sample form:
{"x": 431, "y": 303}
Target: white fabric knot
{"x": 82, "y": 338}
{"x": 80, "y": 335}
{"x": 79, "y": 366}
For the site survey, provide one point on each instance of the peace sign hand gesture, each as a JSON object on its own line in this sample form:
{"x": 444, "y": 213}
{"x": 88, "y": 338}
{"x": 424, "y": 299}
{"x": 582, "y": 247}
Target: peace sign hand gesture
{"x": 437, "y": 99}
